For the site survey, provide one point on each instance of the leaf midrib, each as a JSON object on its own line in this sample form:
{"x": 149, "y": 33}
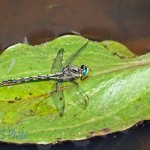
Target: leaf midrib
{"x": 123, "y": 66}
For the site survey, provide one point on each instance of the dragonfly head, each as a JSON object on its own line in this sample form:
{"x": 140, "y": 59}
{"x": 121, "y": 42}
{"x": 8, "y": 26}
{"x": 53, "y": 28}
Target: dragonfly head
{"x": 84, "y": 70}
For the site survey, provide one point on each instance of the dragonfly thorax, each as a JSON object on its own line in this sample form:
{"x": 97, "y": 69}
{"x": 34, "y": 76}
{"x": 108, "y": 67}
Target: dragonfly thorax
{"x": 71, "y": 73}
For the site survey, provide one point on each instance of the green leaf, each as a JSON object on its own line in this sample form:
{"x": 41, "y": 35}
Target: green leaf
{"x": 117, "y": 85}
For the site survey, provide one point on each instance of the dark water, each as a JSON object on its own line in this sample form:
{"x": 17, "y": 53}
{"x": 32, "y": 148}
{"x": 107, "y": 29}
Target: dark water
{"x": 125, "y": 21}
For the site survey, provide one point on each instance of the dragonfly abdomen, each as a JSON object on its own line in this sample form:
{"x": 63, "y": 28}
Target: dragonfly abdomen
{"x": 26, "y": 79}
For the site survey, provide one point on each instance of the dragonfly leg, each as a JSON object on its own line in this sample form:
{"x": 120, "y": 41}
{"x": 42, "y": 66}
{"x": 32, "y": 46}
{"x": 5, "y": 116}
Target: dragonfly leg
{"x": 56, "y": 90}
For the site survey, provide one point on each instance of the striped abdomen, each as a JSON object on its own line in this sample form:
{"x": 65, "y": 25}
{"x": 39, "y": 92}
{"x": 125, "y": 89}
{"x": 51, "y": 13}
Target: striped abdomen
{"x": 28, "y": 79}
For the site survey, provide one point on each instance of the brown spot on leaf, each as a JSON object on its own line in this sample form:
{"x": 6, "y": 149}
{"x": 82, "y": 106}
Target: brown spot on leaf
{"x": 30, "y": 93}
{"x": 117, "y": 54}
{"x": 97, "y": 133}
{"x": 10, "y": 101}
{"x": 18, "y": 98}
{"x": 92, "y": 132}
{"x": 105, "y": 130}
{"x": 31, "y": 112}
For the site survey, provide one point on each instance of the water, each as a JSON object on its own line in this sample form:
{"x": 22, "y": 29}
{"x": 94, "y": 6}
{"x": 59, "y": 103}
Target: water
{"x": 124, "y": 21}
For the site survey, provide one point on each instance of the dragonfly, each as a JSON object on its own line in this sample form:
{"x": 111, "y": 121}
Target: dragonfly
{"x": 61, "y": 73}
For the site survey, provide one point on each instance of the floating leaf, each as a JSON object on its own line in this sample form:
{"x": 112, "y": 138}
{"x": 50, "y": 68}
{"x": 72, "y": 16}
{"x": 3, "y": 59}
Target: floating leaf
{"x": 117, "y": 85}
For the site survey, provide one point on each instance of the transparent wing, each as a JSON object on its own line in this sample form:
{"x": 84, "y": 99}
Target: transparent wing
{"x": 57, "y": 64}
{"x": 79, "y": 96}
{"x": 58, "y": 97}
{"x": 75, "y": 55}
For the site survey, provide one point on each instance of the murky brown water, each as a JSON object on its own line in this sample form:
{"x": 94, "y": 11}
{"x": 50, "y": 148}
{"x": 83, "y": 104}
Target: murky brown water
{"x": 125, "y": 21}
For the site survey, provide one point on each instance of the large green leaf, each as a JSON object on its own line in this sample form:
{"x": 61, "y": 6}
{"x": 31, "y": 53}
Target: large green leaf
{"x": 118, "y": 86}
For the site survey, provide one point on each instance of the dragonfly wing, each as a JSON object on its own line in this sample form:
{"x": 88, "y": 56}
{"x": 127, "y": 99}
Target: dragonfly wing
{"x": 79, "y": 96}
{"x": 58, "y": 97}
{"x": 57, "y": 65}
{"x": 75, "y": 55}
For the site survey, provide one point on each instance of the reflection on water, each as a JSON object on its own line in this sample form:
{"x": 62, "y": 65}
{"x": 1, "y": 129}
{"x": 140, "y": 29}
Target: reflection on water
{"x": 124, "y": 21}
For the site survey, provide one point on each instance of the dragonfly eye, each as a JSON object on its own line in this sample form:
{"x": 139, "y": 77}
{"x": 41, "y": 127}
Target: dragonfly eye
{"x": 84, "y": 70}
